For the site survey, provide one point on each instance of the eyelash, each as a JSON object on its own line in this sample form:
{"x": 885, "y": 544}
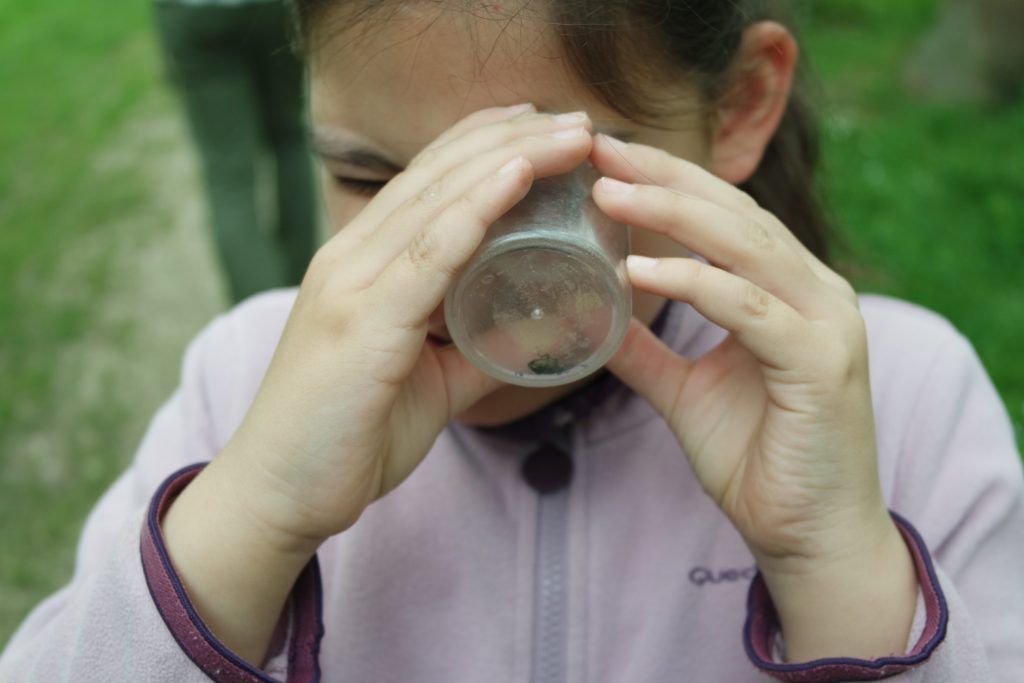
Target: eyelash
{"x": 366, "y": 188}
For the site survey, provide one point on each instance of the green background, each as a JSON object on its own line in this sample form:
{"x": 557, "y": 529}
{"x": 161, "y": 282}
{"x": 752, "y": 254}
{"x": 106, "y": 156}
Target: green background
{"x": 930, "y": 198}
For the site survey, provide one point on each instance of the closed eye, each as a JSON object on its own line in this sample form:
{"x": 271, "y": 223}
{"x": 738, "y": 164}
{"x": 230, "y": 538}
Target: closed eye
{"x": 358, "y": 186}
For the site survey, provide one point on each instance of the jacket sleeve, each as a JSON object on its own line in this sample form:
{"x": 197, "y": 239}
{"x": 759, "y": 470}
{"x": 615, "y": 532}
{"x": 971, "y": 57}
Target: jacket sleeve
{"x": 108, "y": 623}
{"x": 956, "y": 479}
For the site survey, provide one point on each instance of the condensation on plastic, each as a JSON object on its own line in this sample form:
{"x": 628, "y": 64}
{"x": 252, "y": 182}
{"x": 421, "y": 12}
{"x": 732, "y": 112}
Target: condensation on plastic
{"x": 545, "y": 299}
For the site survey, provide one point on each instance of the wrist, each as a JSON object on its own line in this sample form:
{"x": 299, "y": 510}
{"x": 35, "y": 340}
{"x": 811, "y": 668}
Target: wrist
{"x": 281, "y": 503}
{"x": 228, "y": 496}
{"x": 237, "y": 579}
{"x": 857, "y": 603}
{"x": 834, "y": 540}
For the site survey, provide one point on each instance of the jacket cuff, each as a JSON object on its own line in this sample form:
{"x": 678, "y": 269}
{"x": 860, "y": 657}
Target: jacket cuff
{"x": 195, "y": 639}
{"x": 762, "y": 629}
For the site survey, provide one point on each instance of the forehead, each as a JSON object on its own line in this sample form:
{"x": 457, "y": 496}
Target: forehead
{"x": 401, "y": 77}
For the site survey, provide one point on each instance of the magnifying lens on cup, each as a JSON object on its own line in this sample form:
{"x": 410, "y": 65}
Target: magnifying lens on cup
{"x": 545, "y": 299}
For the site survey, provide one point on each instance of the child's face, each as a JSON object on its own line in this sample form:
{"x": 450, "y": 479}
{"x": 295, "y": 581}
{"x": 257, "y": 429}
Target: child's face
{"x": 392, "y": 90}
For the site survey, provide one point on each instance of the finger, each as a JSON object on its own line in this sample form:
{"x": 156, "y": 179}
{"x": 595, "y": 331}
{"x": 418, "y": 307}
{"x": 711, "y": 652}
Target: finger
{"x": 435, "y": 161}
{"x": 461, "y": 147}
{"x": 545, "y": 155}
{"x": 466, "y": 383}
{"x": 412, "y": 286}
{"x": 637, "y": 163}
{"x": 379, "y": 207}
{"x": 650, "y": 368}
{"x": 480, "y": 118}
{"x": 764, "y": 324}
{"x": 728, "y": 239}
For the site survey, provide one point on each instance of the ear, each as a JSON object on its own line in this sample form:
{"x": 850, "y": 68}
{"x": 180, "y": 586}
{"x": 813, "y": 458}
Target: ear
{"x": 752, "y": 108}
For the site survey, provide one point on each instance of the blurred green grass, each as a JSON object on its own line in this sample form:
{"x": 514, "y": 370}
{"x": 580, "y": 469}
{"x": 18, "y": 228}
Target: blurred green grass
{"x": 72, "y": 72}
{"x": 930, "y": 197}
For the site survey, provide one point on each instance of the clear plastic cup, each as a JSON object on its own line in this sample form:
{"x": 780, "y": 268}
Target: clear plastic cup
{"x": 545, "y": 299}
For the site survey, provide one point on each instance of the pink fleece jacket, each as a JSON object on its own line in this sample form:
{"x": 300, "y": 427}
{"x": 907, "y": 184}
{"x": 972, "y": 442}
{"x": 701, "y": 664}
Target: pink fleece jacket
{"x": 583, "y": 552}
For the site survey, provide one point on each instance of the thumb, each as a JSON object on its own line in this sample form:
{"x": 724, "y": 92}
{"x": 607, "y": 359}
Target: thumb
{"x": 465, "y": 382}
{"x": 650, "y": 368}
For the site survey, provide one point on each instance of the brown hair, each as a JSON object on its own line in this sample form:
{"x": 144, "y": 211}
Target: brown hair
{"x": 607, "y": 41}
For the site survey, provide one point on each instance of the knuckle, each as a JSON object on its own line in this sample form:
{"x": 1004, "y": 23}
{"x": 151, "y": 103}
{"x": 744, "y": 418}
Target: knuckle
{"x": 755, "y": 302}
{"x": 423, "y": 249}
{"x": 775, "y": 230}
{"x": 757, "y": 237}
{"x": 430, "y": 196}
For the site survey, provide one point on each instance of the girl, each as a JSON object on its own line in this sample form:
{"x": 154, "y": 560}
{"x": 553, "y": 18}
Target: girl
{"x": 777, "y": 478}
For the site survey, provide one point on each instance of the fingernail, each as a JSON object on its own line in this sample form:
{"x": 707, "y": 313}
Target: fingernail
{"x": 510, "y": 165}
{"x": 517, "y": 109}
{"x": 613, "y": 186}
{"x": 569, "y": 133}
{"x": 572, "y": 117}
{"x": 634, "y": 262}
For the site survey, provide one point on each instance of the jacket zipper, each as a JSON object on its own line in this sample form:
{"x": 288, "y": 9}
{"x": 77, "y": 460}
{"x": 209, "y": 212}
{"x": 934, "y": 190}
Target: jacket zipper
{"x": 550, "y": 608}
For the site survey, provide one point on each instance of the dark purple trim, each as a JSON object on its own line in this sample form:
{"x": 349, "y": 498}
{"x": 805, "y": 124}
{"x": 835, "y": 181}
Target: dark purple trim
{"x": 762, "y": 624}
{"x": 308, "y": 631}
{"x": 188, "y": 629}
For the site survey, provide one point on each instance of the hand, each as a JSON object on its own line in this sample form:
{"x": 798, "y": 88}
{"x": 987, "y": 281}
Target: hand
{"x": 776, "y": 421}
{"x": 355, "y": 395}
